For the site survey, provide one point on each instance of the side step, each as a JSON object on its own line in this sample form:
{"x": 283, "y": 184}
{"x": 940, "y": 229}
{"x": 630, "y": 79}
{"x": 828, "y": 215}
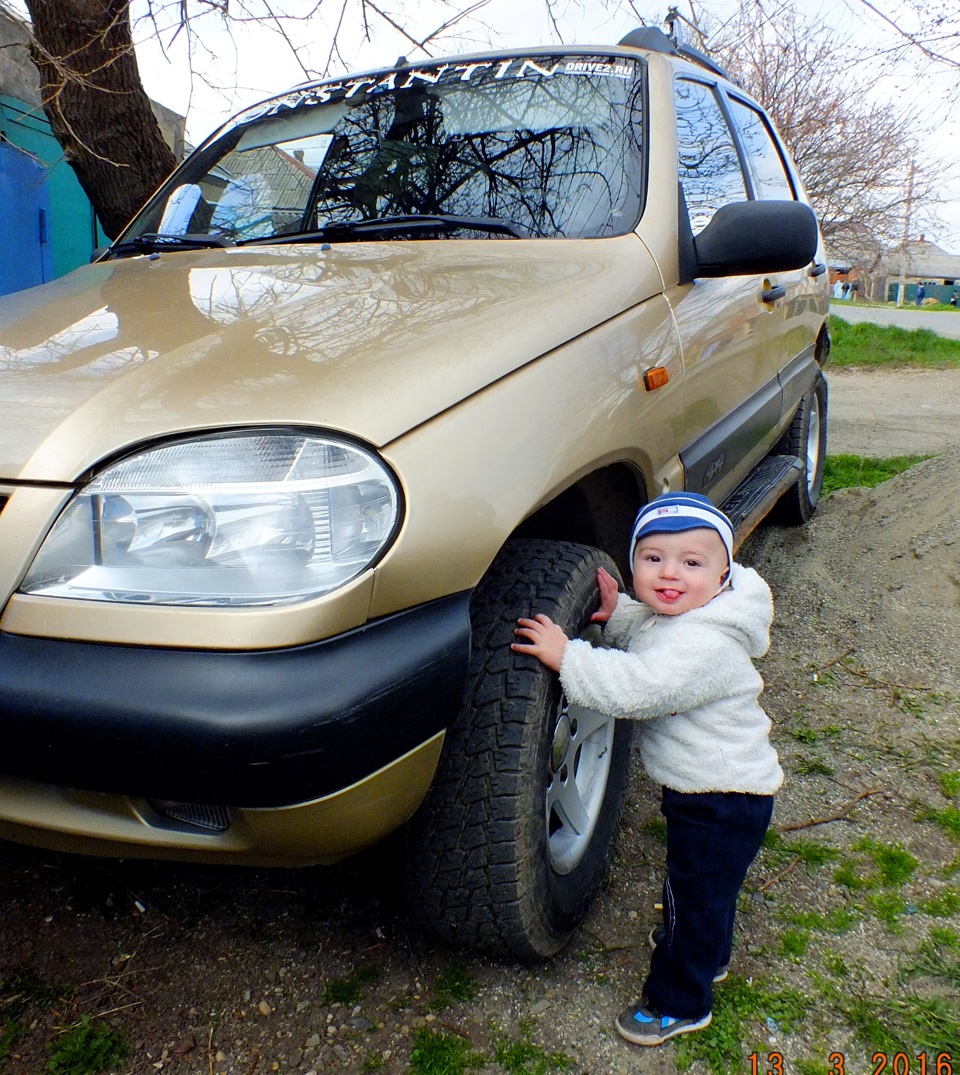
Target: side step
{"x": 753, "y": 498}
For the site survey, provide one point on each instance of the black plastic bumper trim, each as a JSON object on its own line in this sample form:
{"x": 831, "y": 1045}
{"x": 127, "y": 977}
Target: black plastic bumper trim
{"x": 249, "y": 729}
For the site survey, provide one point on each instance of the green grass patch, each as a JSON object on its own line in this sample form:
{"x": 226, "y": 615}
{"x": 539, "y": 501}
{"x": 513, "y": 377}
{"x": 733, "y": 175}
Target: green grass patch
{"x": 950, "y": 784}
{"x": 348, "y": 991}
{"x": 453, "y": 984}
{"x": 906, "y": 1024}
{"x": 936, "y": 958}
{"x": 522, "y": 1057}
{"x": 738, "y": 1007}
{"x": 945, "y": 904}
{"x": 889, "y": 346}
{"x": 948, "y": 819}
{"x": 894, "y": 862}
{"x": 861, "y": 471}
{"x": 88, "y": 1048}
{"x": 440, "y": 1053}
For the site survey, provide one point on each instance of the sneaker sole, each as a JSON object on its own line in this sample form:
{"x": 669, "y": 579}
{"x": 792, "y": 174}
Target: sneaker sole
{"x": 639, "y": 1037}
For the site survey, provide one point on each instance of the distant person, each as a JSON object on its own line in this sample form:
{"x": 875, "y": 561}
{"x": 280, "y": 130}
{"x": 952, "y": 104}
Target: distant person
{"x": 854, "y": 290}
{"x": 953, "y": 299}
{"x": 837, "y": 289}
{"x": 921, "y": 294}
{"x": 845, "y": 288}
{"x": 682, "y": 667}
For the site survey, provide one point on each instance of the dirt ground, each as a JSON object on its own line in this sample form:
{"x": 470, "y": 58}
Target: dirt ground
{"x": 848, "y": 948}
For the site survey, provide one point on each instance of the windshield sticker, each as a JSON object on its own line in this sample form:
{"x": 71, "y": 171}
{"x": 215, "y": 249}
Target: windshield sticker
{"x": 416, "y": 77}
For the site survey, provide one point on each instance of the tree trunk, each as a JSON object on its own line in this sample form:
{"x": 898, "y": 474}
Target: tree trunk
{"x": 96, "y": 104}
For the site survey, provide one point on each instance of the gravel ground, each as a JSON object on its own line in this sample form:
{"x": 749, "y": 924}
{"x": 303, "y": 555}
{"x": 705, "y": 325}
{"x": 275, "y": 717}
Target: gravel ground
{"x": 848, "y": 934}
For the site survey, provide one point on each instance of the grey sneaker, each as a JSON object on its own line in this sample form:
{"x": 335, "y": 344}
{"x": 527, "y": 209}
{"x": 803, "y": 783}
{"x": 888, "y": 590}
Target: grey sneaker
{"x": 658, "y": 933}
{"x": 644, "y": 1025}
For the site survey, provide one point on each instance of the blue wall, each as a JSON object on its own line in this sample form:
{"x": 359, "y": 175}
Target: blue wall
{"x": 72, "y": 229}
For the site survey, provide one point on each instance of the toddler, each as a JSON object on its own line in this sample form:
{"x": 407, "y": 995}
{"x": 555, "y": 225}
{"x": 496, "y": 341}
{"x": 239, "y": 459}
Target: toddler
{"x": 682, "y": 666}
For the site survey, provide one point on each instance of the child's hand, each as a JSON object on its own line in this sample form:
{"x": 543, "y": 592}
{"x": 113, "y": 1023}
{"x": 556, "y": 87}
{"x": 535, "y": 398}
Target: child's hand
{"x": 609, "y": 592}
{"x": 547, "y": 640}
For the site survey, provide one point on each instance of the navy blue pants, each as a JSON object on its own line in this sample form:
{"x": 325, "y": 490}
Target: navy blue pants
{"x": 712, "y": 837}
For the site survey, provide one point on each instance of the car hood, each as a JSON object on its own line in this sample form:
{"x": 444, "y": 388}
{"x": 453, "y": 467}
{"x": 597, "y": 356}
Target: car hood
{"x": 370, "y": 339}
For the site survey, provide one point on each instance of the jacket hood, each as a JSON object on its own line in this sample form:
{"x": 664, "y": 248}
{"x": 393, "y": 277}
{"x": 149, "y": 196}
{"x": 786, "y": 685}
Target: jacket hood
{"x": 744, "y": 610}
{"x": 369, "y": 339}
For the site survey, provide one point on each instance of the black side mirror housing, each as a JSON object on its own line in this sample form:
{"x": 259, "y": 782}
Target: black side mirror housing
{"x": 755, "y": 238}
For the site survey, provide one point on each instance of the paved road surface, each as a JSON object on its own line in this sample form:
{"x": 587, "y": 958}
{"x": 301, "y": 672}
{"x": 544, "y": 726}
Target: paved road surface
{"x": 893, "y": 412}
{"x": 942, "y": 322}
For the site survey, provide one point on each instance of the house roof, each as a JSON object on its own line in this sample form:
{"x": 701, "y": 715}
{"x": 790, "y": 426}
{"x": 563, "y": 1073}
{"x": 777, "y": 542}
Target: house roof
{"x": 924, "y": 259}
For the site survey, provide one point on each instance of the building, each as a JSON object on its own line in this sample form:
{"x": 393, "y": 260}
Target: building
{"x": 47, "y": 224}
{"x": 921, "y": 262}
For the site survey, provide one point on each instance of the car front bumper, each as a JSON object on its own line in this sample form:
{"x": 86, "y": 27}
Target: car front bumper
{"x": 311, "y": 752}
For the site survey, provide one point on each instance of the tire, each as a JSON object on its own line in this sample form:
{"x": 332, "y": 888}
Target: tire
{"x": 806, "y": 440}
{"x": 514, "y": 838}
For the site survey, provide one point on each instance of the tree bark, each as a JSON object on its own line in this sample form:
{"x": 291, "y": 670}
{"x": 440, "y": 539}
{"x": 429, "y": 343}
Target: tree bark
{"x": 96, "y": 104}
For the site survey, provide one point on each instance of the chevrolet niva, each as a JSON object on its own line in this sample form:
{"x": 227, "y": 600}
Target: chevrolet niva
{"x": 388, "y": 362}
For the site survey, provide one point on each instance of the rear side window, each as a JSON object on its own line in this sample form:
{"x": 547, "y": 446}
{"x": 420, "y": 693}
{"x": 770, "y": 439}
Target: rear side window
{"x": 770, "y": 177}
{"x": 710, "y": 172}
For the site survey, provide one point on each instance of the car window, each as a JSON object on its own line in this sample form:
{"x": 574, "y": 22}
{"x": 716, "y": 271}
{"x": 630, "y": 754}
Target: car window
{"x": 770, "y": 177}
{"x": 710, "y": 171}
{"x": 552, "y": 149}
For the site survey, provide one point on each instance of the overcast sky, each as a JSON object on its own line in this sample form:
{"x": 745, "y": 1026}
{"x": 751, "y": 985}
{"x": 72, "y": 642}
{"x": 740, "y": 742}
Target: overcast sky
{"x": 257, "y": 61}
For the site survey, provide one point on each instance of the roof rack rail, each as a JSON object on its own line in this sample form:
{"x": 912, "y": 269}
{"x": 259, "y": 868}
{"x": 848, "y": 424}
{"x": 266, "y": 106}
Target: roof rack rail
{"x": 653, "y": 39}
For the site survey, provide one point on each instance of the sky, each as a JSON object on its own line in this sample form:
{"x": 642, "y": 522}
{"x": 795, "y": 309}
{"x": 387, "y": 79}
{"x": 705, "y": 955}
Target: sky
{"x": 257, "y": 60}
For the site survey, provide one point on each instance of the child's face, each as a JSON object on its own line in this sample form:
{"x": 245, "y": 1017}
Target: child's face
{"x": 673, "y": 573}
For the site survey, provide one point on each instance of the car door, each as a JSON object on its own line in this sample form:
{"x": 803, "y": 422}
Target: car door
{"x": 798, "y": 313}
{"x": 729, "y": 334}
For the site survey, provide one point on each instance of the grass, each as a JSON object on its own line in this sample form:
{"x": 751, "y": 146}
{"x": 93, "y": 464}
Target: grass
{"x": 845, "y": 471}
{"x": 88, "y": 1048}
{"x": 866, "y": 345}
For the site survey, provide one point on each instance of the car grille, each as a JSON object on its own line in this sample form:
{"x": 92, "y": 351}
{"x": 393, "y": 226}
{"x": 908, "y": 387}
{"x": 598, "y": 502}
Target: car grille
{"x": 198, "y": 815}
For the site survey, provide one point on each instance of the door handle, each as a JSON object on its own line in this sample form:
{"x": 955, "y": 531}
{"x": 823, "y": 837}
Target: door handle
{"x": 771, "y": 294}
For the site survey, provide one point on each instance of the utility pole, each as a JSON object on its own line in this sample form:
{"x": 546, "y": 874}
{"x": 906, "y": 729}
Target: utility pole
{"x": 906, "y": 235}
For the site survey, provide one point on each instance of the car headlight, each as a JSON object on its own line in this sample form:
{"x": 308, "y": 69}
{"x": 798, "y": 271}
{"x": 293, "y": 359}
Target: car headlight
{"x": 232, "y": 519}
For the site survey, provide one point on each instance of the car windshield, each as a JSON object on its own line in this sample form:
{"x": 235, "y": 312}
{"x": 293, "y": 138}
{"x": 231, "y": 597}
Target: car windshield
{"x": 544, "y": 147}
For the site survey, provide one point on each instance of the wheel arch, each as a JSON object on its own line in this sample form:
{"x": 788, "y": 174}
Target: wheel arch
{"x": 597, "y": 510}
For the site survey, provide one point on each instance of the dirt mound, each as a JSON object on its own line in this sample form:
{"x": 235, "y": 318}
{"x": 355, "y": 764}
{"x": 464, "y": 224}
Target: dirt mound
{"x": 878, "y": 571}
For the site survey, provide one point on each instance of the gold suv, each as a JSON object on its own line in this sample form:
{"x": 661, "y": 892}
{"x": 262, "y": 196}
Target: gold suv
{"x": 388, "y": 362}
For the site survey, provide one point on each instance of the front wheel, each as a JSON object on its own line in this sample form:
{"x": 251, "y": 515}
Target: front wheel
{"x": 806, "y": 440}
{"x": 513, "y": 840}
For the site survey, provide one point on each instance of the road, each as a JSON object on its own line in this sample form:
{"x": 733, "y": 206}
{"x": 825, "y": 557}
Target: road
{"x": 942, "y": 322}
{"x": 893, "y": 412}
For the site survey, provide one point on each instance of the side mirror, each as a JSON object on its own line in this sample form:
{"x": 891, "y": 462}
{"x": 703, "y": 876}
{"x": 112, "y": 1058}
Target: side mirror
{"x": 755, "y": 238}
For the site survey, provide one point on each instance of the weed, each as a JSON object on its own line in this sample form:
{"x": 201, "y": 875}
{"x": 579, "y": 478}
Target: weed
{"x": 948, "y": 819}
{"x": 348, "y": 991}
{"x": 809, "y": 766}
{"x": 439, "y": 1053}
{"x": 806, "y": 735}
{"x": 453, "y": 984}
{"x": 836, "y": 965}
{"x": 945, "y": 904}
{"x": 889, "y": 907}
{"x": 87, "y": 1048}
{"x": 906, "y": 1023}
{"x": 793, "y": 944}
{"x": 23, "y": 990}
{"x": 738, "y": 1004}
{"x": 373, "y": 1062}
{"x": 523, "y": 1057}
{"x": 847, "y": 875}
{"x": 813, "y": 854}
{"x": 934, "y": 960}
{"x": 657, "y": 827}
{"x": 895, "y": 863}
{"x": 950, "y": 784}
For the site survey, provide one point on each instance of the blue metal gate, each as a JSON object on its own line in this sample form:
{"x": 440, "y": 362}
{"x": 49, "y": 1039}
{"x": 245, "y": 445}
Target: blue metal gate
{"x": 25, "y": 256}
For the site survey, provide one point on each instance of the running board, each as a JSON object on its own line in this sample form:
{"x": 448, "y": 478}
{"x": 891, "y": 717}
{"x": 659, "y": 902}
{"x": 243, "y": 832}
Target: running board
{"x": 753, "y": 498}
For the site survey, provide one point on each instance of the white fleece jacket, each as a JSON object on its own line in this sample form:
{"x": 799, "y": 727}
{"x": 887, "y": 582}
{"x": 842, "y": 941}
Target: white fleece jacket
{"x": 691, "y": 682}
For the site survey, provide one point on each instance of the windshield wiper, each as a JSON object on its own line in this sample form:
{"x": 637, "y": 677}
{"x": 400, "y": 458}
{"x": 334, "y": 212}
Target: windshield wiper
{"x": 350, "y": 229}
{"x": 152, "y": 242}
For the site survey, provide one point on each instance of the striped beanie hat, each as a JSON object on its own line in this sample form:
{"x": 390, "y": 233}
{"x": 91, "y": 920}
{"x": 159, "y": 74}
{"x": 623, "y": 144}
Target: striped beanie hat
{"x": 673, "y": 512}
